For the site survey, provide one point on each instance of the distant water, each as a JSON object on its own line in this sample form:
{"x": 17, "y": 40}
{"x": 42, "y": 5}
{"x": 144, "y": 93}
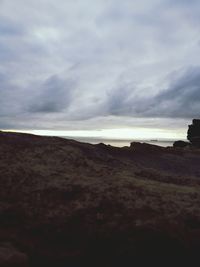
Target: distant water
{"x": 120, "y": 143}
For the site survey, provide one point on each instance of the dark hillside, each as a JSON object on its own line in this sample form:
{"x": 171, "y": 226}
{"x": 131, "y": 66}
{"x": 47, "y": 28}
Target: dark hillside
{"x": 65, "y": 203}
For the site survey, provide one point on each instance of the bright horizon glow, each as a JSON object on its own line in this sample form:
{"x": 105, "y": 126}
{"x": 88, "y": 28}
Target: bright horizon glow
{"x": 115, "y": 134}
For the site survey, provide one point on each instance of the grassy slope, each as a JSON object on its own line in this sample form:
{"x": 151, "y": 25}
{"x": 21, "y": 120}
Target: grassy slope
{"x": 65, "y": 202}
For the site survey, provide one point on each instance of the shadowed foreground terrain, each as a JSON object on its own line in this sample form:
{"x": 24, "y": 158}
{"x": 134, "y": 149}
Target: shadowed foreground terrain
{"x": 65, "y": 203}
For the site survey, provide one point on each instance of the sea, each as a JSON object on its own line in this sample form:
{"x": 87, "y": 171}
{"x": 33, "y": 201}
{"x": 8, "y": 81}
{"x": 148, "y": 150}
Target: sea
{"x": 120, "y": 142}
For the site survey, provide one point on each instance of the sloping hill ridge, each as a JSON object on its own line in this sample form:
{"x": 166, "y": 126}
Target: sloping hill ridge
{"x": 66, "y": 203}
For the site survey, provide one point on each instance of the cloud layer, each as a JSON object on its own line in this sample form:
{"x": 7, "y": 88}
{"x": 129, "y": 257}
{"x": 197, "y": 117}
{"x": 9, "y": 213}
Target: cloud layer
{"x": 65, "y": 64}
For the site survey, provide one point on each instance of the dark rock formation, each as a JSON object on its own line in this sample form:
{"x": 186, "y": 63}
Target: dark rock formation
{"x": 65, "y": 203}
{"x": 180, "y": 144}
{"x": 194, "y": 133}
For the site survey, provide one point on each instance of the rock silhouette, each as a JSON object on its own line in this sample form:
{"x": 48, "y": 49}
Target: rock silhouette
{"x": 180, "y": 144}
{"x": 193, "y": 134}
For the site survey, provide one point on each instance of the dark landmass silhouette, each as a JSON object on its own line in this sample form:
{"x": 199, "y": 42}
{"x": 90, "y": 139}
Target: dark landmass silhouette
{"x": 194, "y": 133}
{"x": 66, "y": 203}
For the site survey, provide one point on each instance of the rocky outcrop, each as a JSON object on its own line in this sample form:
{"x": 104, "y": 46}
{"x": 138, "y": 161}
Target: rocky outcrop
{"x": 65, "y": 203}
{"x": 180, "y": 144}
{"x": 194, "y": 133}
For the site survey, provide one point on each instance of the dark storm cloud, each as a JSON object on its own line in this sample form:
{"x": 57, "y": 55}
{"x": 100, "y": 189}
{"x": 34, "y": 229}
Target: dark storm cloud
{"x": 182, "y": 99}
{"x": 21, "y": 105}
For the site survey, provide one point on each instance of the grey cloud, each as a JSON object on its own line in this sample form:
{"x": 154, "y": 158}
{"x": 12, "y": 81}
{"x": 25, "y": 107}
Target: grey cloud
{"x": 73, "y": 61}
{"x": 54, "y": 95}
{"x": 28, "y": 107}
{"x": 120, "y": 100}
{"x": 182, "y": 99}
{"x": 10, "y": 28}
{"x": 183, "y": 2}
{"x": 9, "y": 96}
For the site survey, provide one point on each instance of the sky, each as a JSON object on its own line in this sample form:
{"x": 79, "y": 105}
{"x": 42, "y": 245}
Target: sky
{"x": 100, "y": 68}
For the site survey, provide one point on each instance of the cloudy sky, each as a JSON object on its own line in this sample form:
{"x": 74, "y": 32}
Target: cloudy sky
{"x": 102, "y": 67}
